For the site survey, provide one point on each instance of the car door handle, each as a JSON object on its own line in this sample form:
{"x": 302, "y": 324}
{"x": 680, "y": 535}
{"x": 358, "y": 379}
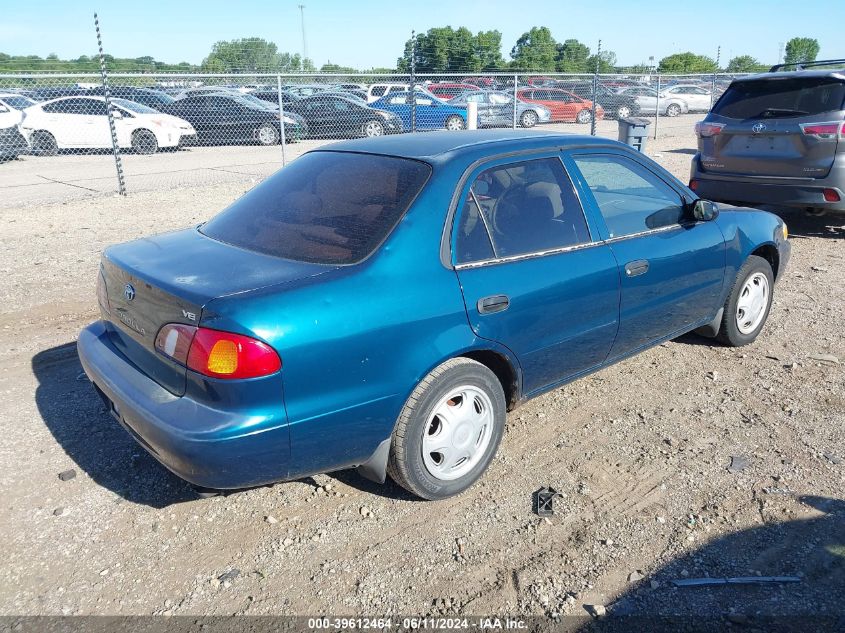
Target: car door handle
{"x": 494, "y": 303}
{"x": 636, "y": 267}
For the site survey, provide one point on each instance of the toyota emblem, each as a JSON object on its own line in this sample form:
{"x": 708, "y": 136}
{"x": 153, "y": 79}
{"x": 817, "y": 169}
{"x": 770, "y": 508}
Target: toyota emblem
{"x": 758, "y": 127}
{"x": 129, "y": 292}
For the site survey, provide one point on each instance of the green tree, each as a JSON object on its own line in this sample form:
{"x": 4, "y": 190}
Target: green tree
{"x": 251, "y": 54}
{"x": 606, "y": 62}
{"x": 572, "y": 57}
{"x": 535, "y": 50}
{"x": 687, "y": 63}
{"x": 444, "y": 49}
{"x": 801, "y": 49}
{"x": 744, "y": 64}
{"x": 336, "y": 68}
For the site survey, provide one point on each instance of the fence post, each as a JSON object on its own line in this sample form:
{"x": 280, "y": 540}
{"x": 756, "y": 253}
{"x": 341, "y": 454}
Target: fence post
{"x": 412, "y": 81}
{"x": 657, "y": 107}
{"x": 121, "y": 185}
{"x": 281, "y": 117}
{"x": 595, "y": 90}
{"x": 515, "y": 84}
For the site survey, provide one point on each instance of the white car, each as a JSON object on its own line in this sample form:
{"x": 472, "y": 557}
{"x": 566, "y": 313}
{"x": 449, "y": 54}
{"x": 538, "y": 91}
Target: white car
{"x": 82, "y": 123}
{"x": 698, "y": 99}
{"x": 377, "y": 91}
{"x": 646, "y": 99}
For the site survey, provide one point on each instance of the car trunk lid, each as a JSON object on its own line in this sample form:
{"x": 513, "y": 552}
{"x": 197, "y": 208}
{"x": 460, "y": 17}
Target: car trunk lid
{"x": 168, "y": 279}
{"x": 778, "y": 128}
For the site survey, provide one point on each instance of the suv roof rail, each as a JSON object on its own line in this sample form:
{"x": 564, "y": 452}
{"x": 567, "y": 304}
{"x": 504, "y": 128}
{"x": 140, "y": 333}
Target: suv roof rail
{"x": 803, "y": 65}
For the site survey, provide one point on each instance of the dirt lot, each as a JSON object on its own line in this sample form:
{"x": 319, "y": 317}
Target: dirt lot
{"x": 640, "y": 452}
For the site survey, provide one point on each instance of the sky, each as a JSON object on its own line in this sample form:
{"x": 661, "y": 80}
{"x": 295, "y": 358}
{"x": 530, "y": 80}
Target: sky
{"x": 371, "y": 33}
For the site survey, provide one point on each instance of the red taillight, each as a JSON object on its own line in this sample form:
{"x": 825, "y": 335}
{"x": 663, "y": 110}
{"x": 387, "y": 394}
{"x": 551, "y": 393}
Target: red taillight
{"x": 102, "y": 293}
{"x": 226, "y": 355}
{"x": 821, "y": 130}
{"x": 703, "y": 129}
{"x": 174, "y": 341}
{"x": 831, "y": 195}
{"x": 693, "y": 184}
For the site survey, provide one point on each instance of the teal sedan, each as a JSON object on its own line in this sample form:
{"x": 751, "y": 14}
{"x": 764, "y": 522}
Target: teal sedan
{"x": 432, "y": 113}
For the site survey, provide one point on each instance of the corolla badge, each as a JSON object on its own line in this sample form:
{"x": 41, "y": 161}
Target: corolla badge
{"x": 129, "y": 292}
{"x": 758, "y": 127}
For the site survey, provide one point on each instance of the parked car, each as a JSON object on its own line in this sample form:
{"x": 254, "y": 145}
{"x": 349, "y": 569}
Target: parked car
{"x": 495, "y": 109}
{"x": 431, "y": 112}
{"x": 446, "y": 91}
{"x": 272, "y": 96}
{"x": 151, "y": 98}
{"x": 776, "y": 138}
{"x": 332, "y": 115}
{"x": 12, "y": 142}
{"x": 698, "y": 99}
{"x": 54, "y": 92}
{"x": 305, "y": 90}
{"x": 648, "y": 102}
{"x": 201, "y": 90}
{"x": 482, "y": 83}
{"x": 615, "y": 105}
{"x": 82, "y": 123}
{"x": 563, "y": 105}
{"x": 254, "y": 348}
{"x": 377, "y": 91}
{"x": 231, "y": 119}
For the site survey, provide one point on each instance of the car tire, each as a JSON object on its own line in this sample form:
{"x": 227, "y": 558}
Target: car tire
{"x": 748, "y": 304}
{"x": 673, "y": 109}
{"x": 144, "y": 142}
{"x": 455, "y": 122}
{"x": 623, "y": 112}
{"x": 584, "y": 116}
{"x": 44, "y": 143}
{"x": 529, "y": 118}
{"x": 267, "y": 134}
{"x": 414, "y": 463}
{"x": 372, "y": 129}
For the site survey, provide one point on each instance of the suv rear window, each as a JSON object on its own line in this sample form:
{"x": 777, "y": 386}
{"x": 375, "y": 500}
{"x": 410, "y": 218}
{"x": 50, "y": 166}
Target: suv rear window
{"x": 774, "y": 98}
{"x": 324, "y": 208}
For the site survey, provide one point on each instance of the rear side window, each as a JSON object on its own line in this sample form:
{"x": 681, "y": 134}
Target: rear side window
{"x": 325, "y": 208}
{"x": 773, "y": 98}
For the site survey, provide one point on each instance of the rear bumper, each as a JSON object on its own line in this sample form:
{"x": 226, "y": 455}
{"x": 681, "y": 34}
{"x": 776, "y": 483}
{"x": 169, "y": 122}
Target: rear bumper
{"x": 207, "y": 447}
{"x": 756, "y": 191}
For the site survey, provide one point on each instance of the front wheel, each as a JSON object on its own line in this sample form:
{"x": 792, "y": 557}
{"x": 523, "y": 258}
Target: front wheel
{"x": 144, "y": 142}
{"x": 584, "y": 116}
{"x": 455, "y": 123}
{"x": 748, "y": 305}
{"x": 623, "y": 112}
{"x": 373, "y": 128}
{"x": 267, "y": 134}
{"x": 529, "y": 118}
{"x": 448, "y": 431}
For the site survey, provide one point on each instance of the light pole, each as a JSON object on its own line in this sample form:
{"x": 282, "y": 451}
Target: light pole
{"x": 304, "y": 45}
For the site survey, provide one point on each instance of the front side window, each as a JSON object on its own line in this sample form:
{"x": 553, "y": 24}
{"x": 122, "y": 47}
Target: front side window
{"x": 631, "y": 198}
{"x": 325, "y": 207}
{"x": 520, "y": 208}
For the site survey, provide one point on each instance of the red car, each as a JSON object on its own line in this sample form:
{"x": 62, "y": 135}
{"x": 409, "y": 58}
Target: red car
{"x": 563, "y": 105}
{"x": 446, "y": 91}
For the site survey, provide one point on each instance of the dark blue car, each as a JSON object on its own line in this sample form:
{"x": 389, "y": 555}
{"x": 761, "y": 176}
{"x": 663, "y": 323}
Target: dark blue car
{"x": 431, "y": 112}
{"x": 382, "y": 303}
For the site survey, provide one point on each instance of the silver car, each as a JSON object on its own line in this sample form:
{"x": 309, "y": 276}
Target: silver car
{"x": 495, "y": 109}
{"x": 647, "y": 100}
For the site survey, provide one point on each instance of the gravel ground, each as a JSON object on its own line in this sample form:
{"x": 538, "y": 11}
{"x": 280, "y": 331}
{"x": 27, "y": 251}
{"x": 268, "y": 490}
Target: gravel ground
{"x": 640, "y": 452}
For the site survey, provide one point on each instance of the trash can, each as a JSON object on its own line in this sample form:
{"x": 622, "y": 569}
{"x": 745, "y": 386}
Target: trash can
{"x": 633, "y": 131}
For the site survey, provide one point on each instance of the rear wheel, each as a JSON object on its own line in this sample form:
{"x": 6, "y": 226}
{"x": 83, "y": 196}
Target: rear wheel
{"x": 44, "y": 143}
{"x": 529, "y": 118}
{"x": 673, "y": 109}
{"x": 748, "y": 305}
{"x": 584, "y": 116}
{"x": 373, "y": 128}
{"x": 267, "y": 134}
{"x": 455, "y": 123}
{"x": 448, "y": 431}
{"x": 623, "y": 112}
{"x": 144, "y": 142}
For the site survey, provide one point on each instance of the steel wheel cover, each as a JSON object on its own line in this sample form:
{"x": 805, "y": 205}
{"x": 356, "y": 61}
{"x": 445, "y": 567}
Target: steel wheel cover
{"x": 752, "y": 303}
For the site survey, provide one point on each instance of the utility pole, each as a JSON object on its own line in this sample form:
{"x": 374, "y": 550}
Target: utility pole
{"x": 595, "y": 90}
{"x": 304, "y": 45}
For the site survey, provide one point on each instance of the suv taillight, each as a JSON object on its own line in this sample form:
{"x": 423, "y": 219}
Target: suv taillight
{"x": 216, "y": 353}
{"x": 823, "y": 130}
{"x": 703, "y": 129}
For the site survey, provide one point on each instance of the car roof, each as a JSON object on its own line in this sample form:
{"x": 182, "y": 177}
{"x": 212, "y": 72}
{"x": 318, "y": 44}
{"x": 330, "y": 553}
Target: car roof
{"x": 437, "y": 147}
{"x": 792, "y": 74}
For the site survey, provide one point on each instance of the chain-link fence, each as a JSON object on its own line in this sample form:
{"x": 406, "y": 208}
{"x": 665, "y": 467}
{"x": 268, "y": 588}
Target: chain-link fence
{"x": 180, "y": 129}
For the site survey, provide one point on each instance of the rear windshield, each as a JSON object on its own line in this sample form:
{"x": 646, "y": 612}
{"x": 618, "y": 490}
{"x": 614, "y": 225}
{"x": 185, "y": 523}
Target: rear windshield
{"x": 325, "y": 207}
{"x": 774, "y": 98}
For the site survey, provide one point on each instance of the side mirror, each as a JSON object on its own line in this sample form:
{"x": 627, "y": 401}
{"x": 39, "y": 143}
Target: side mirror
{"x": 704, "y": 210}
